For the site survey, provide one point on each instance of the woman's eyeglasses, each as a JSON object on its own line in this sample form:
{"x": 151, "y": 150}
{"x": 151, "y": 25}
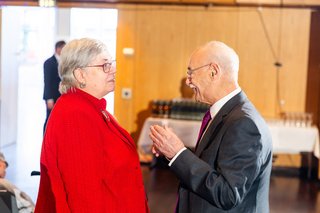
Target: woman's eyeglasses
{"x": 106, "y": 67}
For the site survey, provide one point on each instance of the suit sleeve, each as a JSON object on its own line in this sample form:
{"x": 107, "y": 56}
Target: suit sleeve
{"x": 48, "y": 74}
{"x": 235, "y": 168}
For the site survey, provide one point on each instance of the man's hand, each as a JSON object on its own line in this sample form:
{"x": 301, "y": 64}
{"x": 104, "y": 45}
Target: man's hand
{"x": 165, "y": 141}
{"x": 50, "y": 103}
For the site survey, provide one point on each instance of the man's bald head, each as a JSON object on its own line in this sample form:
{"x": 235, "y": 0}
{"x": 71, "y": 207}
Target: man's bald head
{"x": 224, "y": 56}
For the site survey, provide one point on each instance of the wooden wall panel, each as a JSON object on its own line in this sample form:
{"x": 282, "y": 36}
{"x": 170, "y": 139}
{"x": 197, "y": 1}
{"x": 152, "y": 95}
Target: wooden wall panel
{"x": 259, "y": 2}
{"x": 204, "y": 25}
{"x": 160, "y": 43}
{"x": 164, "y": 37}
{"x": 257, "y": 75}
{"x": 313, "y": 82}
{"x": 280, "y": 2}
{"x": 301, "y": 2}
{"x": 160, "y": 47}
{"x": 125, "y": 66}
{"x": 288, "y": 32}
{"x": 164, "y": 40}
{"x": 294, "y": 56}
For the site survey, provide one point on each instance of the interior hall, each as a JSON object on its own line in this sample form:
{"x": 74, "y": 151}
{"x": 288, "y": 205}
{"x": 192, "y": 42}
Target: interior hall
{"x": 151, "y": 41}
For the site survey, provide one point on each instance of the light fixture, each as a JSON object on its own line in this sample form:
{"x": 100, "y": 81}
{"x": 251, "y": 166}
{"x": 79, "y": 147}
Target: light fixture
{"x": 47, "y": 3}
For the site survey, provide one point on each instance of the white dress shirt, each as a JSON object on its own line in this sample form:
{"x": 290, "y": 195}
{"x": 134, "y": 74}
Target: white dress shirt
{"x": 214, "y": 109}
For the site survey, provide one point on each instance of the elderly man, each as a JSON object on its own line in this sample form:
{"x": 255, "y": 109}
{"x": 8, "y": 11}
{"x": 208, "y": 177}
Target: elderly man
{"x": 229, "y": 171}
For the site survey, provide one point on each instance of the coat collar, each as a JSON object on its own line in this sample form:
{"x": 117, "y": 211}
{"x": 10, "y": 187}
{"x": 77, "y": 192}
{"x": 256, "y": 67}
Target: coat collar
{"x": 100, "y": 106}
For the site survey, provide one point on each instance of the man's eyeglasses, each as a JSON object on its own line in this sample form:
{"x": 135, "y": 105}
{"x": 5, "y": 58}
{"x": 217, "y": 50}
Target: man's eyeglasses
{"x": 190, "y": 71}
{"x": 106, "y": 67}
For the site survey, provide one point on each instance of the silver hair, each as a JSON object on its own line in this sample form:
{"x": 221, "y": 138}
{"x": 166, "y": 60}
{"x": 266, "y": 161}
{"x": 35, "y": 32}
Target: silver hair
{"x": 77, "y": 53}
{"x": 225, "y": 57}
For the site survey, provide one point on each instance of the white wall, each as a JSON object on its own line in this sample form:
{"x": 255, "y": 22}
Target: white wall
{"x": 23, "y": 53}
{"x": 63, "y": 24}
{"x": 9, "y": 76}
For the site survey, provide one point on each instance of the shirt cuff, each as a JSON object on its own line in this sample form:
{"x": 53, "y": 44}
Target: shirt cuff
{"x": 175, "y": 157}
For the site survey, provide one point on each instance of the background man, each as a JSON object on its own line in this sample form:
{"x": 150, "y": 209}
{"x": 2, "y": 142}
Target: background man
{"x": 229, "y": 171}
{"x": 51, "y": 79}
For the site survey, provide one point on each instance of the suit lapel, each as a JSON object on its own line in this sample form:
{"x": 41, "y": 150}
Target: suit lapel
{"x": 210, "y": 133}
{"x": 218, "y": 121}
{"x": 54, "y": 59}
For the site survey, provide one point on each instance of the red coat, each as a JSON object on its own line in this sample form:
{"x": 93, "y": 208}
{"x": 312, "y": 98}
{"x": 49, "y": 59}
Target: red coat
{"x": 88, "y": 162}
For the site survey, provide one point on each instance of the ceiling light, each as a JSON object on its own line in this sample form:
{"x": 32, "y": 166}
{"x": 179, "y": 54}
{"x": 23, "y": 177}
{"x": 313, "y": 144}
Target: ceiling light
{"x": 47, "y": 3}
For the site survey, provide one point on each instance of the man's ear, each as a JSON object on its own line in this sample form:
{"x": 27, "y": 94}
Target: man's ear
{"x": 214, "y": 69}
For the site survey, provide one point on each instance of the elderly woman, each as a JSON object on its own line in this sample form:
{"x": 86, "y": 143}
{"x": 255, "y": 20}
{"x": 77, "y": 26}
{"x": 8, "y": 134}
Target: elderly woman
{"x": 88, "y": 162}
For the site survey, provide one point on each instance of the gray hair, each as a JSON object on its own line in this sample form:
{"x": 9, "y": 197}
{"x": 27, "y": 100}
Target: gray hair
{"x": 2, "y": 158}
{"x": 225, "y": 57}
{"x": 77, "y": 53}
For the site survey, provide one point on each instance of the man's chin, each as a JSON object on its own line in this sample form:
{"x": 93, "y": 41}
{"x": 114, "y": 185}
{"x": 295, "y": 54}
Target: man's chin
{"x": 196, "y": 94}
{"x": 197, "y": 97}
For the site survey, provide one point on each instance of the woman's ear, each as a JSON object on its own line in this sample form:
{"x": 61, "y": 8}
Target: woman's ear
{"x": 80, "y": 78}
{"x": 78, "y": 75}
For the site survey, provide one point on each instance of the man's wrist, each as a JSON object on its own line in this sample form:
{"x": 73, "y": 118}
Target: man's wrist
{"x": 50, "y": 100}
{"x": 176, "y": 156}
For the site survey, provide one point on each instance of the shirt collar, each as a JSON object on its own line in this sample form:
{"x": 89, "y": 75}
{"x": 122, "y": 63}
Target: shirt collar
{"x": 214, "y": 109}
{"x": 57, "y": 57}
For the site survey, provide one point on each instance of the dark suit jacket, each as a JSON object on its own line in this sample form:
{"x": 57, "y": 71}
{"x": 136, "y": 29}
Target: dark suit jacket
{"x": 51, "y": 79}
{"x": 230, "y": 170}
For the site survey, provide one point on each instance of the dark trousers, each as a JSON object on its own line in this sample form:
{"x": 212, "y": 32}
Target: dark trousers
{"x": 47, "y": 117}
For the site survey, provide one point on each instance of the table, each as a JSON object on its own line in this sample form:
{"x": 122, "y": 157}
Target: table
{"x": 286, "y": 139}
{"x": 186, "y": 130}
{"x": 294, "y": 140}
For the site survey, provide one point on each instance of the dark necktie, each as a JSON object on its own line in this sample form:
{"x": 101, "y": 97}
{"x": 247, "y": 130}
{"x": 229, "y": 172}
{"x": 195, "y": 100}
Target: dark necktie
{"x": 205, "y": 121}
